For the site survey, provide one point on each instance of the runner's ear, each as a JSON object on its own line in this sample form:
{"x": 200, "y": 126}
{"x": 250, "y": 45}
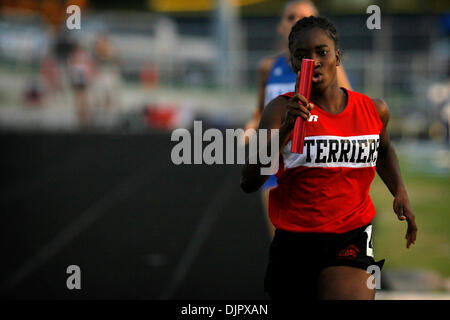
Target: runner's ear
{"x": 338, "y": 57}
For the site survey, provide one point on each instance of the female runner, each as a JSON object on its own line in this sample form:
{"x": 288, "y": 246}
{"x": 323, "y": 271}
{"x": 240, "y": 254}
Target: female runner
{"x": 321, "y": 208}
{"x": 275, "y": 77}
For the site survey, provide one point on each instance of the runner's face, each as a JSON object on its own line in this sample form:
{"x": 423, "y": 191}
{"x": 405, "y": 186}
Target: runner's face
{"x": 291, "y": 15}
{"x": 316, "y": 44}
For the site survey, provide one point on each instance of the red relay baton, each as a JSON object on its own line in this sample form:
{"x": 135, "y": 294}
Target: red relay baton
{"x": 304, "y": 80}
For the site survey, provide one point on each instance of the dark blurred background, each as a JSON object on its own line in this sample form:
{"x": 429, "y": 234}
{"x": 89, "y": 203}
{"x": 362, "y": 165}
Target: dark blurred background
{"x": 86, "y": 118}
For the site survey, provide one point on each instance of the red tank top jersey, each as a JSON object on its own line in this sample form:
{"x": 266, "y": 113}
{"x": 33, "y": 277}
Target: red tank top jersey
{"x": 326, "y": 189}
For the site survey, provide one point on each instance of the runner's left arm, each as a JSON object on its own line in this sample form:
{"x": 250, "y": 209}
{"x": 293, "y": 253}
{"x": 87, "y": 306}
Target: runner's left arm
{"x": 389, "y": 171}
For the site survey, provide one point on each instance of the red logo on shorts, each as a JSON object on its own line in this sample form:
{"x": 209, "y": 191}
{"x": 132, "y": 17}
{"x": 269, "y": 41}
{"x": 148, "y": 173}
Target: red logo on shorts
{"x": 350, "y": 252}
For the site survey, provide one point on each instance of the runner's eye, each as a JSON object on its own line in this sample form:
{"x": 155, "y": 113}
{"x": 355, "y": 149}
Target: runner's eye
{"x": 290, "y": 17}
{"x": 323, "y": 52}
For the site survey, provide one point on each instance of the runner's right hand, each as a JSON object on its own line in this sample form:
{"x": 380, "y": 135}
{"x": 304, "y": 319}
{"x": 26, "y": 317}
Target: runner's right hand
{"x": 297, "y": 106}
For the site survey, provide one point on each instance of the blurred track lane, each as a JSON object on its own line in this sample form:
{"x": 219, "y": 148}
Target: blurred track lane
{"x": 88, "y": 217}
{"x": 201, "y": 233}
{"x": 131, "y": 251}
{"x": 94, "y": 165}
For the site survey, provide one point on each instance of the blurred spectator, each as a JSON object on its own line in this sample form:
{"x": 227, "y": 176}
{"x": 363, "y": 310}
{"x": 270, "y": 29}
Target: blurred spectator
{"x": 33, "y": 94}
{"x": 81, "y": 70}
{"x": 108, "y": 81}
{"x": 63, "y": 46}
{"x": 51, "y": 79}
{"x": 149, "y": 75}
{"x": 50, "y": 73}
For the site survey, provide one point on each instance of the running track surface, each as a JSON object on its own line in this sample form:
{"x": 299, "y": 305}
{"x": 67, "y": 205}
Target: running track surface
{"x": 138, "y": 226}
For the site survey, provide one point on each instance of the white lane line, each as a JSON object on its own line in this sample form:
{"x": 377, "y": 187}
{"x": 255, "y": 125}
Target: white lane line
{"x": 87, "y": 218}
{"x": 200, "y": 235}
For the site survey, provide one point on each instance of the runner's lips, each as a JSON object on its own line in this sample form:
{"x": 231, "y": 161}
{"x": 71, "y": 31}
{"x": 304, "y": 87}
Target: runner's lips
{"x": 317, "y": 77}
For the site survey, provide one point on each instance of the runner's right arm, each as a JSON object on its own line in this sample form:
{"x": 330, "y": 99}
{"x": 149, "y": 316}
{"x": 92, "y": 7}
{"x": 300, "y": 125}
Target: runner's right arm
{"x": 281, "y": 114}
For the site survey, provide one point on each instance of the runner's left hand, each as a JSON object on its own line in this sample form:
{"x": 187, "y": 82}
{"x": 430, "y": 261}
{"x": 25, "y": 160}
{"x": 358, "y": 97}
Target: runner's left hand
{"x": 404, "y": 212}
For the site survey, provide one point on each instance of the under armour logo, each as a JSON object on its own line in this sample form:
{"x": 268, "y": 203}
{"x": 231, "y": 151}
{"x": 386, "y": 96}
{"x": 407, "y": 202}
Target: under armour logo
{"x": 313, "y": 118}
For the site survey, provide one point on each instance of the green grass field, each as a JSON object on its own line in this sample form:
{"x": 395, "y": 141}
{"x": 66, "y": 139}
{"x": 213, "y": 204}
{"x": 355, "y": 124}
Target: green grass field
{"x": 430, "y": 199}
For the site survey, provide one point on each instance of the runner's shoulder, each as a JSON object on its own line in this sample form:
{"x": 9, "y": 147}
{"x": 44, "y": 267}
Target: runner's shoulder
{"x": 274, "y": 112}
{"x": 266, "y": 64}
{"x": 382, "y": 109}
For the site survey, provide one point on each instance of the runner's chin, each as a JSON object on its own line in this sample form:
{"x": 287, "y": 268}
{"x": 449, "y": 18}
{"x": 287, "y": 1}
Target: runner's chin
{"x": 318, "y": 85}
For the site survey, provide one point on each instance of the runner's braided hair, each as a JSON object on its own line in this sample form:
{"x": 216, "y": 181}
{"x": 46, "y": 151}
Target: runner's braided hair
{"x": 314, "y": 22}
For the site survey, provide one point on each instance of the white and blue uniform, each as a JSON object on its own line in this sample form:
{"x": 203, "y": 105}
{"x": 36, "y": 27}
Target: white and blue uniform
{"x": 281, "y": 80}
